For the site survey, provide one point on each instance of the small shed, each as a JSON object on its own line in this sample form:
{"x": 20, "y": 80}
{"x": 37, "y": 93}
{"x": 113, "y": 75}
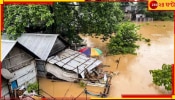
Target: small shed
{"x": 74, "y": 61}
{"x": 18, "y": 67}
{"x": 43, "y": 46}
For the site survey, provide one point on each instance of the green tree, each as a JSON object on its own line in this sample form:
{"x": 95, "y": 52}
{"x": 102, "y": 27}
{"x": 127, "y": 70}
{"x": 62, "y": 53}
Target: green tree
{"x": 18, "y": 18}
{"x": 123, "y": 5}
{"x": 66, "y": 19}
{"x": 163, "y": 77}
{"x": 124, "y": 40}
{"x": 159, "y": 15}
{"x": 141, "y": 7}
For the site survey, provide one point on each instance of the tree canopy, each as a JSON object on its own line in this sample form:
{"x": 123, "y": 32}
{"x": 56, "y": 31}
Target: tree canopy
{"x": 124, "y": 40}
{"x": 66, "y": 19}
{"x": 163, "y": 77}
{"x": 18, "y": 18}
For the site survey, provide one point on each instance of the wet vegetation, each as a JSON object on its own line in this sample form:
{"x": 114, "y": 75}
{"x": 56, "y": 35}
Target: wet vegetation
{"x": 163, "y": 77}
{"x": 82, "y": 84}
{"x": 124, "y": 40}
{"x": 32, "y": 86}
{"x": 65, "y": 19}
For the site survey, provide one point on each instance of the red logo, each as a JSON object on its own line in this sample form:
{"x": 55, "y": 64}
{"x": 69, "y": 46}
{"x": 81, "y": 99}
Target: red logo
{"x": 153, "y": 4}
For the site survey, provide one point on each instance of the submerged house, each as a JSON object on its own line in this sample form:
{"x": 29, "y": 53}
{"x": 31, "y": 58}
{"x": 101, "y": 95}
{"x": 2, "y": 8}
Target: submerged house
{"x": 18, "y": 67}
{"x": 73, "y": 62}
{"x": 43, "y": 46}
{"x": 140, "y": 17}
{"x": 55, "y": 58}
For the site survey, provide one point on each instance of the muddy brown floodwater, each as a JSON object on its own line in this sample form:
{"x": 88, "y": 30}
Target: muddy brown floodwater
{"x": 134, "y": 76}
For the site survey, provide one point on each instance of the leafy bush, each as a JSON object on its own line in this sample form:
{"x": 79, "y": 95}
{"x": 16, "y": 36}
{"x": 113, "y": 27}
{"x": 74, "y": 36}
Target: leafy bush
{"x": 163, "y": 77}
{"x": 33, "y": 86}
{"x": 124, "y": 41}
{"x": 82, "y": 84}
{"x": 162, "y": 16}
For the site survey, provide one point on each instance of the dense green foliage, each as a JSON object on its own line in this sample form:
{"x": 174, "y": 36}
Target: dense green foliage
{"x": 86, "y": 18}
{"x": 66, "y": 19}
{"x": 31, "y": 87}
{"x": 161, "y": 15}
{"x": 100, "y": 18}
{"x": 18, "y": 18}
{"x": 163, "y": 77}
{"x": 124, "y": 40}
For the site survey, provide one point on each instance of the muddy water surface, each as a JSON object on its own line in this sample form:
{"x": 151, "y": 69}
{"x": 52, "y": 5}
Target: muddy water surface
{"x": 134, "y": 76}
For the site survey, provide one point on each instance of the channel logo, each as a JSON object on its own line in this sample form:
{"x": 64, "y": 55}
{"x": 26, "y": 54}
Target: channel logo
{"x": 153, "y": 4}
{"x": 161, "y": 5}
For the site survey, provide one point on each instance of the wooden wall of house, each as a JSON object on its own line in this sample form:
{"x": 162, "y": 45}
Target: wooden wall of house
{"x": 16, "y": 59}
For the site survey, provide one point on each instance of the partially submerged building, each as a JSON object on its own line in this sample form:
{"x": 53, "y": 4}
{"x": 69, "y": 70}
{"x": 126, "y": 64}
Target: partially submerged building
{"x": 18, "y": 67}
{"x": 73, "y": 63}
{"x": 35, "y": 55}
{"x": 43, "y": 46}
{"x": 55, "y": 58}
{"x": 140, "y": 17}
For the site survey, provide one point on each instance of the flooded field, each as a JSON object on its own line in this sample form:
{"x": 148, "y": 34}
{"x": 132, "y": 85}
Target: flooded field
{"x": 134, "y": 76}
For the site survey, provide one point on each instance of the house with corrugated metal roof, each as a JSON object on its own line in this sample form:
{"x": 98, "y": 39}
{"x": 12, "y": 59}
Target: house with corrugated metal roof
{"x": 18, "y": 67}
{"x": 73, "y": 62}
{"x": 43, "y": 46}
{"x": 35, "y": 55}
{"x": 55, "y": 58}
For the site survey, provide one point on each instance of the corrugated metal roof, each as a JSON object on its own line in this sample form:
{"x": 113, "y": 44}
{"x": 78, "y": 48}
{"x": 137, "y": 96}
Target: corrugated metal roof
{"x": 39, "y": 44}
{"x": 7, "y": 46}
{"x": 70, "y": 60}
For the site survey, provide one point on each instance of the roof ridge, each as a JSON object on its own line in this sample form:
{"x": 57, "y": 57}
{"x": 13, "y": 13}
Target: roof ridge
{"x": 39, "y": 34}
{"x": 8, "y": 40}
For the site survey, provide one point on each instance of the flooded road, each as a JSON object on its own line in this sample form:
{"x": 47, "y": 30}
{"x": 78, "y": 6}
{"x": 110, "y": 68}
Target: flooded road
{"x": 134, "y": 76}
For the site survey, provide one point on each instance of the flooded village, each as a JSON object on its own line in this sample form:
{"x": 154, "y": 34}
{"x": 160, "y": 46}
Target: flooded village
{"x": 37, "y": 66}
{"x": 132, "y": 75}
{"x": 129, "y": 76}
